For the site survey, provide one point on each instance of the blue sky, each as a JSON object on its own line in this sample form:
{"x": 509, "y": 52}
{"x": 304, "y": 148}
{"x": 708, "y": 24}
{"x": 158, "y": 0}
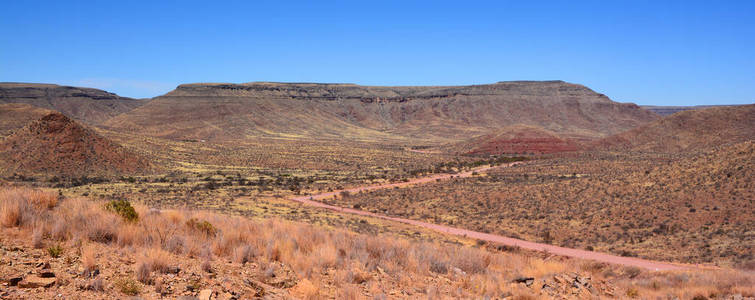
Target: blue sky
{"x": 647, "y": 52}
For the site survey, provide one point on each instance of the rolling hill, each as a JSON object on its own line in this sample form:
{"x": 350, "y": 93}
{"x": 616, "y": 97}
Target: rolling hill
{"x": 58, "y": 145}
{"x": 309, "y": 110}
{"x": 91, "y": 106}
{"x": 687, "y": 131}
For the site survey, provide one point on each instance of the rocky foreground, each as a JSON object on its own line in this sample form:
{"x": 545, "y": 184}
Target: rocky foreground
{"x": 78, "y": 248}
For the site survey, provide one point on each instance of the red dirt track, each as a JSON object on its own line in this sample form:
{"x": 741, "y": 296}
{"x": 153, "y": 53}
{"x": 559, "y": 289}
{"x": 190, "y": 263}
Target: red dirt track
{"x": 568, "y": 252}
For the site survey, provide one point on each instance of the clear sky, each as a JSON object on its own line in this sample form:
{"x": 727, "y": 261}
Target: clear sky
{"x": 647, "y": 52}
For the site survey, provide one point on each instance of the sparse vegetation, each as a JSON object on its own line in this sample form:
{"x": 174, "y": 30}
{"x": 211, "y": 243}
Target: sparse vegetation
{"x": 685, "y": 210}
{"x": 89, "y": 261}
{"x": 202, "y": 226}
{"x": 128, "y": 286}
{"x": 630, "y": 204}
{"x": 303, "y": 258}
{"x": 55, "y": 251}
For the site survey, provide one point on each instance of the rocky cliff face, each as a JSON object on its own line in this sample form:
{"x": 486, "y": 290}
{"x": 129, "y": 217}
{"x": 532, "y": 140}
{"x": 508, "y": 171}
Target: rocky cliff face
{"x": 88, "y": 105}
{"x": 230, "y": 111}
{"x": 335, "y": 91}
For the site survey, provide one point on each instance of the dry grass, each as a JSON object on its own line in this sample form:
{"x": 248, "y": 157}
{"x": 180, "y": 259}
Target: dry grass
{"x": 347, "y": 262}
{"x": 15, "y": 209}
{"x": 306, "y": 290}
{"x": 144, "y": 273}
{"x": 692, "y": 208}
{"x": 89, "y": 260}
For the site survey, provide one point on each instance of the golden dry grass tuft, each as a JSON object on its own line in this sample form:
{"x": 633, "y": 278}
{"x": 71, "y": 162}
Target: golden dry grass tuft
{"x": 20, "y": 206}
{"x": 89, "y": 259}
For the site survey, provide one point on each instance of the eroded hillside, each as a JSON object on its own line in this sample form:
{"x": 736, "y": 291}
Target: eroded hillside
{"x": 234, "y": 111}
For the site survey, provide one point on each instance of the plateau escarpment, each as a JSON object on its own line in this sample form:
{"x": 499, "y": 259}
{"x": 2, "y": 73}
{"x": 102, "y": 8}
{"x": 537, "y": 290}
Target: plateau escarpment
{"x": 88, "y": 105}
{"x": 445, "y": 113}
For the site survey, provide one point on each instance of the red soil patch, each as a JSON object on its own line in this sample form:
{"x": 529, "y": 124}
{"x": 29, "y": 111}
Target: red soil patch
{"x": 515, "y": 140}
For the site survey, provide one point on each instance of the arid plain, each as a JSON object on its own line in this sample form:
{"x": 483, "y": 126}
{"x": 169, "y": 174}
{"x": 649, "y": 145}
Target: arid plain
{"x": 316, "y": 191}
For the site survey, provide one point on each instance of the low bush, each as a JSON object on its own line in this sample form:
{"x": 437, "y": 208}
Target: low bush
{"x": 202, "y": 226}
{"x": 55, "y": 251}
{"x": 123, "y": 208}
{"x": 128, "y": 286}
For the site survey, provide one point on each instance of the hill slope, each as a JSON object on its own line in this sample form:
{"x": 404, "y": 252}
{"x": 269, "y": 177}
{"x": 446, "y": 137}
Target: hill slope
{"x": 229, "y": 111}
{"x": 57, "y": 145}
{"x": 88, "y": 105}
{"x": 688, "y": 131}
{"x": 515, "y": 140}
{"x": 16, "y": 115}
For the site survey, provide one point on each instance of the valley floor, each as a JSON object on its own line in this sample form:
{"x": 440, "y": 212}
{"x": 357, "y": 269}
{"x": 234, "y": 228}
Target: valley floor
{"x": 657, "y": 207}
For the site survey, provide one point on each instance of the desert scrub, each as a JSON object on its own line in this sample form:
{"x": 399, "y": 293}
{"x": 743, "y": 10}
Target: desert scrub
{"x": 55, "y": 251}
{"x": 128, "y": 286}
{"x": 123, "y": 208}
{"x": 202, "y": 226}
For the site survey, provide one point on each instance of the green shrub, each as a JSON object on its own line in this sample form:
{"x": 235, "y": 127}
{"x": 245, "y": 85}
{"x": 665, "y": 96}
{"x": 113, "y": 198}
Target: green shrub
{"x": 202, "y": 226}
{"x": 55, "y": 251}
{"x": 128, "y": 286}
{"x": 123, "y": 208}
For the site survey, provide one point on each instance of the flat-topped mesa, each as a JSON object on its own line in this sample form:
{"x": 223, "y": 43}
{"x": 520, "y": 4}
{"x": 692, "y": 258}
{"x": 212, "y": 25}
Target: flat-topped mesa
{"x": 88, "y": 105}
{"x": 347, "y": 91}
{"x": 10, "y": 90}
{"x": 319, "y": 110}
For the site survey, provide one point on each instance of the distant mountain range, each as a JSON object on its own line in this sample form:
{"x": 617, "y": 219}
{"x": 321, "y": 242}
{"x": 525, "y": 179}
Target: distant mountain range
{"x": 670, "y": 110}
{"x": 498, "y": 118}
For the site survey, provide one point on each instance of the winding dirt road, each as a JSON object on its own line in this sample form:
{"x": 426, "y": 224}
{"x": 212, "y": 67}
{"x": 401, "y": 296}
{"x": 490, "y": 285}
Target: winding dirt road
{"x": 569, "y": 252}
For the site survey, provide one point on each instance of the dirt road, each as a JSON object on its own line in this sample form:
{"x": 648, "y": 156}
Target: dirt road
{"x": 576, "y": 253}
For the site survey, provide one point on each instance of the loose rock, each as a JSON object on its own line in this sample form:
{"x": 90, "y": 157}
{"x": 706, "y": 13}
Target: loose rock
{"x": 34, "y": 281}
{"x": 205, "y": 294}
